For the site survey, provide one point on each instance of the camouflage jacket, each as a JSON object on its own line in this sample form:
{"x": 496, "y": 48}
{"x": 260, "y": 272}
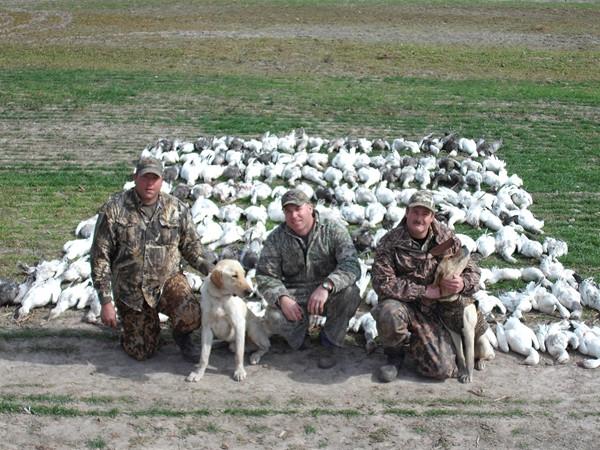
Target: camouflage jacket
{"x": 286, "y": 263}
{"x": 132, "y": 257}
{"x": 403, "y": 268}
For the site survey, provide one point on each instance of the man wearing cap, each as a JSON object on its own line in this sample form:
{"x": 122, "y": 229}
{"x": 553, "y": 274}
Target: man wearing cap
{"x": 140, "y": 236}
{"x": 403, "y": 272}
{"x": 308, "y": 265}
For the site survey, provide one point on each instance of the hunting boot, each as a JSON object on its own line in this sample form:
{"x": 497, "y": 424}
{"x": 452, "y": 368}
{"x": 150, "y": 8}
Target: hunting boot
{"x": 188, "y": 350}
{"x": 389, "y": 371}
{"x": 329, "y": 359}
{"x": 306, "y": 344}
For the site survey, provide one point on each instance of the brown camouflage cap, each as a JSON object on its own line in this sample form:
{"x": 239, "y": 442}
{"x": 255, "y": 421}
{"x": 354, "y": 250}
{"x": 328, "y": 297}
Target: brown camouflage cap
{"x": 424, "y": 199}
{"x": 294, "y": 197}
{"x": 149, "y": 165}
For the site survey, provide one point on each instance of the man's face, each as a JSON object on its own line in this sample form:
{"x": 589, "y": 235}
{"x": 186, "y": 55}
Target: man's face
{"x": 299, "y": 218}
{"x": 148, "y": 187}
{"x": 418, "y": 220}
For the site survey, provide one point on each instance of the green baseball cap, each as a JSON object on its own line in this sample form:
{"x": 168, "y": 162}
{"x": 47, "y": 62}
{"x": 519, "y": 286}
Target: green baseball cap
{"x": 424, "y": 199}
{"x": 149, "y": 165}
{"x": 294, "y": 197}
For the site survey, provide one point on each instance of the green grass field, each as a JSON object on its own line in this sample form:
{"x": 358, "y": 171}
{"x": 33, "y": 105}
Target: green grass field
{"x": 86, "y": 88}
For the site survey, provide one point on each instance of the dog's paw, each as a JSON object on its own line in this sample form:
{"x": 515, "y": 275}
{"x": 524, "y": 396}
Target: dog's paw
{"x": 239, "y": 374}
{"x": 465, "y": 378}
{"x": 255, "y": 358}
{"x": 480, "y": 364}
{"x": 195, "y": 376}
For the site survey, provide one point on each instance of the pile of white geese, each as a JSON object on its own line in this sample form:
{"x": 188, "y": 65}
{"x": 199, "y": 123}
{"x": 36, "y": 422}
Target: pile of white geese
{"x": 233, "y": 187}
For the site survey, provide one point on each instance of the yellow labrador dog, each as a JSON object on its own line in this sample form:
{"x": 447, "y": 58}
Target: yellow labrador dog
{"x": 467, "y": 350}
{"x": 226, "y": 316}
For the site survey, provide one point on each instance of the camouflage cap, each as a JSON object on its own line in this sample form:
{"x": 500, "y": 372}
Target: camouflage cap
{"x": 424, "y": 199}
{"x": 294, "y": 197}
{"x": 149, "y": 165}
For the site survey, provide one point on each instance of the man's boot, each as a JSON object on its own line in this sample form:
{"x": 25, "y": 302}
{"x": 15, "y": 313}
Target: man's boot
{"x": 389, "y": 371}
{"x": 329, "y": 359}
{"x": 188, "y": 350}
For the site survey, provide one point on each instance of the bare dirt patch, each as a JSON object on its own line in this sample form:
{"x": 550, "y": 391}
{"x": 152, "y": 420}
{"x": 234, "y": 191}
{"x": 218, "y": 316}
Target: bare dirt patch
{"x": 536, "y": 27}
{"x": 67, "y": 390}
{"x": 93, "y": 393}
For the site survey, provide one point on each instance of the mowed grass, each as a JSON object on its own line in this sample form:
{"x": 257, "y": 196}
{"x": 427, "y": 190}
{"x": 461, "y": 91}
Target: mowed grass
{"x": 61, "y": 405}
{"x": 121, "y": 78}
{"x": 41, "y": 208}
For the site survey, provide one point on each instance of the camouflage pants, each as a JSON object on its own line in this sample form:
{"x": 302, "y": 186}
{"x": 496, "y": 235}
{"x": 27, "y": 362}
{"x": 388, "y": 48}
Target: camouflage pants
{"x": 141, "y": 329}
{"x": 339, "y": 309}
{"x": 403, "y": 326}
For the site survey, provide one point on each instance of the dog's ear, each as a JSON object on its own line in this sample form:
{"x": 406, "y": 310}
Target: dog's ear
{"x": 216, "y": 277}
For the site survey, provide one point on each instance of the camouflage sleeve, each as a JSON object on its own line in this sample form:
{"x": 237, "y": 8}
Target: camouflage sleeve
{"x": 347, "y": 270}
{"x": 471, "y": 276}
{"x": 101, "y": 255}
{"x": 189, "y": 244}
{"x": 268, "y": 271}
{"x": 387, "y": 283}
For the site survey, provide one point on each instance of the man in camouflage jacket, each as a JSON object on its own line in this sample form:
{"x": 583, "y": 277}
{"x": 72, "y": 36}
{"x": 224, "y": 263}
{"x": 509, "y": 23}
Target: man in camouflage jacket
{"x": 408, "y": 317}
{"x": 308, "y": 265}
{"x": 141, "y": 235}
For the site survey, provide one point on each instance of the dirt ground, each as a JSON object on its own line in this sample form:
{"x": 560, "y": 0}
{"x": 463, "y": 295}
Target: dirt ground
{"x": 82, "y": 391}
{"x": 70, "y": 385}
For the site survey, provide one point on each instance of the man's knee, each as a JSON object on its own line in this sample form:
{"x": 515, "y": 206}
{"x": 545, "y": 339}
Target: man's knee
{"x": 139, "y": 348}
{"x": 140, "y": 336}
{"x": 389, "y": 306}
{"x": 137, "y": 355}
{"x": 186, "y": 316}
{"x": 391, "y": 319}
{"x": 293, "y": 331}
{"x": 189, "y": 321}
{"x": 389, "y": 313}
{"x": 344, "y": 302}
{"x": 180, "y": 303}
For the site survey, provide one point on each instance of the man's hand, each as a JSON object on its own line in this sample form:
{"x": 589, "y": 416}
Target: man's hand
{"x": 109, "y": 315}
{"x": 317, "y": 300}
{"x": 432, "y": 293}
{"x": 452, "y": 285}
{"x": 290, "y": 308}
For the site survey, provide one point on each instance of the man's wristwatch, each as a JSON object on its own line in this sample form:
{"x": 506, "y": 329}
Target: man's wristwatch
{"x": 327, "y": 285}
